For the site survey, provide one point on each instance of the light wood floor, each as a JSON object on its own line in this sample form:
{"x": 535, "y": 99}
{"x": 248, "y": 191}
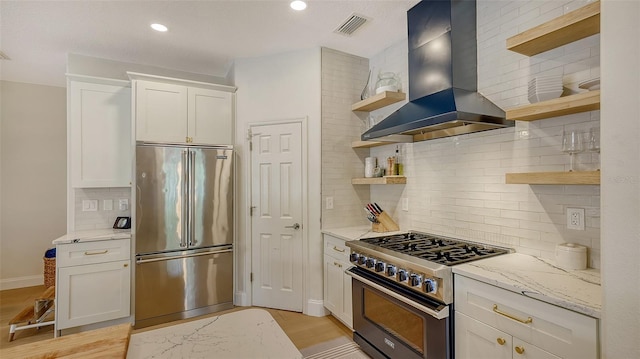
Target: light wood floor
{"x": 304, "y": 331}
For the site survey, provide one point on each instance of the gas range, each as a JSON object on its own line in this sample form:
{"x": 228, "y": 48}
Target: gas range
{"x": 419, "y": 261}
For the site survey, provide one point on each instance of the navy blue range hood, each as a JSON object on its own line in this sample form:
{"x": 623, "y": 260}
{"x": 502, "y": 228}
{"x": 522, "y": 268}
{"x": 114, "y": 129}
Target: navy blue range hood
{"x": 443, "y": 97}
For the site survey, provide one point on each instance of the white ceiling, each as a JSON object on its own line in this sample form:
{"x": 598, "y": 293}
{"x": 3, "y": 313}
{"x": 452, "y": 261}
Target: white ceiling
{"x": 204, "y": 36}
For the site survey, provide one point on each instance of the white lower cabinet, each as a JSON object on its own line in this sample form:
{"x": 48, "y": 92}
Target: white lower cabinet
{"x": 93, "y": 283}
{"x": 491, "y": 322}
{"x": 477, "y": 340}
{"x": 337, "y": 284}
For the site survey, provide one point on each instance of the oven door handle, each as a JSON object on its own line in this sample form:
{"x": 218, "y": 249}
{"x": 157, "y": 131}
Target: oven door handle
{"x": 444, "y": 313}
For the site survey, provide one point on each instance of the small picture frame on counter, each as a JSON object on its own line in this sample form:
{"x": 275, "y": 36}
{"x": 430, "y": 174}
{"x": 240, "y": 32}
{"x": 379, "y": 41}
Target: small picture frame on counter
{"x": 122, "y": 223}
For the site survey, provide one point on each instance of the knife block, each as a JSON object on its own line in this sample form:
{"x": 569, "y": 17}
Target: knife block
{"x": 386, "y": 224}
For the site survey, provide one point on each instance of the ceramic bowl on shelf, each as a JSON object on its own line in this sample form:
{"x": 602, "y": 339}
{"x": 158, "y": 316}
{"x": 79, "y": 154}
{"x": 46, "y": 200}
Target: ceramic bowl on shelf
{"x": 593, "y": 84}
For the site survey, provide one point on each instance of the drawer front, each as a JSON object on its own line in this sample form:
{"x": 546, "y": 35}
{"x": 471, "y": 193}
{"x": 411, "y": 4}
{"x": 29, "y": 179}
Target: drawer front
{"x": 336, "y": 248}
{"x": 74, "y": 254}
{"x": 551, "y": 328}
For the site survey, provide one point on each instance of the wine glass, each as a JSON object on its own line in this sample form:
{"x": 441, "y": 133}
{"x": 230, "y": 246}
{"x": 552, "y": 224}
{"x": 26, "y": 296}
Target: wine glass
{"x": 572, "y": 144}
{"x": 594, "y": 143}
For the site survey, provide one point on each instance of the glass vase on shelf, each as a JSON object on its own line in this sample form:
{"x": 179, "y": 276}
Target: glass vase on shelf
{"x": 572, "y": 144}
{"x": 594, "y": 144}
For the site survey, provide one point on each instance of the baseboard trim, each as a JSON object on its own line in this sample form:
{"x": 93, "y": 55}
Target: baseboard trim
{"x": 240, "y": 299}
{"x": 315, "y": 308}
{"x": 21, "y": 282}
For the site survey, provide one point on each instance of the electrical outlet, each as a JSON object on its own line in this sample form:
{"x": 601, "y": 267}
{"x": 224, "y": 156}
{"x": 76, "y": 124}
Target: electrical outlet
{"x": 123, "y": 204}
{"x": 89, "y": 205}
{"x": 575, "y": 218}
{"x": 329, "y": 204}
{"x": 107, "y": 205}
{"x": 405, "y": 204}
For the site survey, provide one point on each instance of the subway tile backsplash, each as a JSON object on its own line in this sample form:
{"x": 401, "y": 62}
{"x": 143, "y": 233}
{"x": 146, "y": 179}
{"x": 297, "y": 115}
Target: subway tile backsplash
{"x": 101, "y": 218}
{"x": 456, "y": 185}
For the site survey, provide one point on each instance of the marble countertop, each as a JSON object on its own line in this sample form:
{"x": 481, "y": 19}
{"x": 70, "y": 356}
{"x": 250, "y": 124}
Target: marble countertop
{"x": 93, "y": 235}
{"x": 577, "y": 290}
{"x": 249, "y": 333}
{"x": 353, "y": 233}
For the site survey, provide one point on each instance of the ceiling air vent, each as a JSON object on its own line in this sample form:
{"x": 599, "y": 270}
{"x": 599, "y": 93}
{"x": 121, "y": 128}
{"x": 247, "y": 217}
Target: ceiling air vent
{"x": 351, "y": 24}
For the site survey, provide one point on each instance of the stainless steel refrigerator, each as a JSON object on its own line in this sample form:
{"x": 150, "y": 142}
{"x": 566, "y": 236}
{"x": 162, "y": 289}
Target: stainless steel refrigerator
{"x": 183, "y": 231}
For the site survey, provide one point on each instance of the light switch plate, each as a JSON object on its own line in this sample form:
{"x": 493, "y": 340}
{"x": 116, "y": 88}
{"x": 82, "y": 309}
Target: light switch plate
{"x": 89, "y": 205}
{"x": 107, "y": 205}
{"x": 329, "y": 204}
{"x": 405, "y": 204}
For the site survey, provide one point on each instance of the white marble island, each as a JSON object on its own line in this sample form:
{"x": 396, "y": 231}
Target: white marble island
{"x": 576, "y": 290}
{"x": 249, "y": 333}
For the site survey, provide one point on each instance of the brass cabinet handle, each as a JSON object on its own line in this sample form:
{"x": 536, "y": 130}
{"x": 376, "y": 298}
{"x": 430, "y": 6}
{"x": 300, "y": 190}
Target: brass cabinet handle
{"x": 510, "y": 316}
{"x": 519, "y": 349}
{"x": 501, "y": 341}
{"x": 337, "y": 264}
{"x": 94, "y": 253}
{"x": 338, "y": 249}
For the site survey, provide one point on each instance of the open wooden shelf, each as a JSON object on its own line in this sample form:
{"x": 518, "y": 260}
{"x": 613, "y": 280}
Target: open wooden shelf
{"x": 378, "y": 101}
{"x": 368, "y": 144}
{"x": 570, "y": 27}
{"x": 561, "y": 178}
{"x": 380, "y": 180}
{"x": 582, "y": 102}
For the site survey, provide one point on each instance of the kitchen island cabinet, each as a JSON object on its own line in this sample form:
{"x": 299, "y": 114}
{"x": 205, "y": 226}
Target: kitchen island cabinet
{"x": 93, "y": 282}
{"x": 337, "y": 284}
{"x": 179, "y": 111}
{"x": 99, "y": 128}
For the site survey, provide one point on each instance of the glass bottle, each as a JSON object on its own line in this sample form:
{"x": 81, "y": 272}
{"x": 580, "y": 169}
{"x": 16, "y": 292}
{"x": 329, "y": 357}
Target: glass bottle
{"x": 399, "y": 165}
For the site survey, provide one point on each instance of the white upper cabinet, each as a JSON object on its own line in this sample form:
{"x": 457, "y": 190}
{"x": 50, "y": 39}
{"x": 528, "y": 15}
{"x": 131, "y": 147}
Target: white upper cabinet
{"x": 210, "y": 116}
{"x": 180, "y": 111}
{"x": 161, "y": 112}
{"x": 99, "y": 132}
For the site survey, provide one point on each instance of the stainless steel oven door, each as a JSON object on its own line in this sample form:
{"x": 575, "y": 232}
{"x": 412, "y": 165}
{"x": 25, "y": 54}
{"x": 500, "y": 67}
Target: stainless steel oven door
{"x": 393, "y": 322}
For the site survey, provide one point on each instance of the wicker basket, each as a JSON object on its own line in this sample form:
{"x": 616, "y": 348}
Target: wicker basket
{"x": 49, "y": 272}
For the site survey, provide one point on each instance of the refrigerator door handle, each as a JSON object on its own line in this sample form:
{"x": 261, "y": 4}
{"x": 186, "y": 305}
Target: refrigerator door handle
{"x": 184, "y": 209}
{"x": 140, "y": 260}
{"x": 192, "y": 199}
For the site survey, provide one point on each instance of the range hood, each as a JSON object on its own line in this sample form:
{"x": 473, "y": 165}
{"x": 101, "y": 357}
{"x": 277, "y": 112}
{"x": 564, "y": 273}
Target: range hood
{"x": 443, "y": 97}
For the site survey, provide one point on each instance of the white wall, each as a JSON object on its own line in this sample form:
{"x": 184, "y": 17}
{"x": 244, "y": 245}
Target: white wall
{"x": 274, "y": 88}
{"x": 456, "y": 185}
{"x": 111, "y": 69}
{"x": 33, "y": 184}
{"x": 343, "y": 77}
{"x": 620, "y": 327}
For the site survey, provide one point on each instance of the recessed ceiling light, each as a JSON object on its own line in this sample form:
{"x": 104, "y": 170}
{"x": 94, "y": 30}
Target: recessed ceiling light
{"x": 159, "y": 27}
{"x": 298, "y": 5}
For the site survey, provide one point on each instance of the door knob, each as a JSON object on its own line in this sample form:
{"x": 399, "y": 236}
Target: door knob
{"x": 295, "y": 226}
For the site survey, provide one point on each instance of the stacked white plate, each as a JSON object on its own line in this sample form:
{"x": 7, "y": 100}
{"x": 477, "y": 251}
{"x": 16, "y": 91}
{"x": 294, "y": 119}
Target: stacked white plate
{"x": 542, "y": 88}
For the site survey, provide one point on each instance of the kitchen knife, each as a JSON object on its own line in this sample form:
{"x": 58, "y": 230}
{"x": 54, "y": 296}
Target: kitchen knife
{"x": 366, "y": 209}
{"x": 372, "y": 209}
{"x": 377, "y": 208}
